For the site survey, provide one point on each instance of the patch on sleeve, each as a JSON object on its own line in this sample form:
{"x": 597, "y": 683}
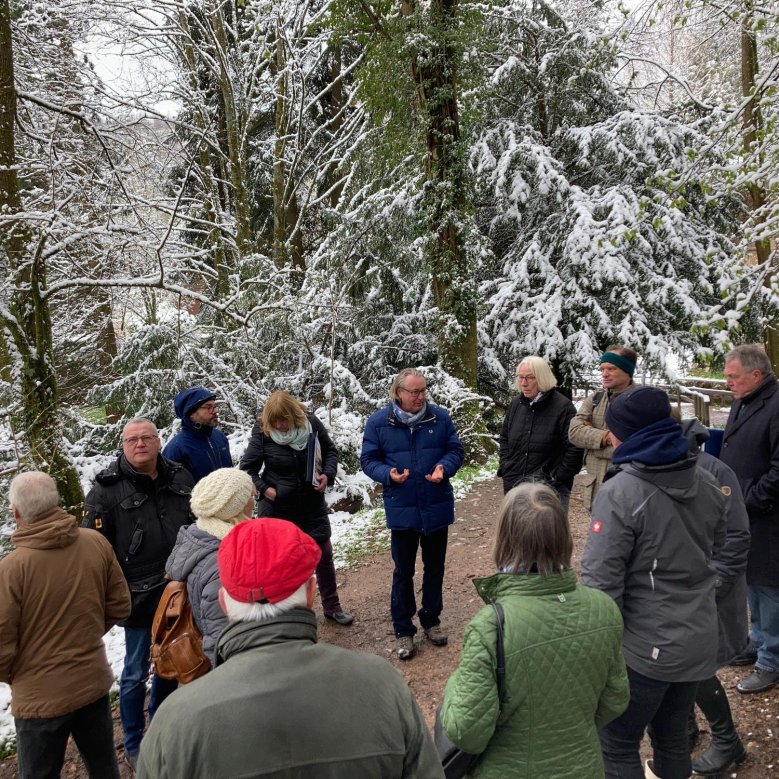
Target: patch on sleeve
{"x": 726, "y": 491}
{"x": 98, "y": 522}
{"x": 597, "y": 525}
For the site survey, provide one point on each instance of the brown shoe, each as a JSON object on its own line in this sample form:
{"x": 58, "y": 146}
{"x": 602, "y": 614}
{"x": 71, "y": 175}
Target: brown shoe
{"x": 436, "y": 636}
{"x": 406, "y": 649}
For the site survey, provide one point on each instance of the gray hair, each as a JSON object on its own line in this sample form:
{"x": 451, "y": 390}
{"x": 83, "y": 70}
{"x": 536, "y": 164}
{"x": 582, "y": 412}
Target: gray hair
{"x": 237, "y": 611}
{"x": 539, "y": 367}
{"x": 752, "y": 358}
{"x": 533, "y": 534}
{"x": 32, "y": 494}
{"x": 138, "y": 420}
{"x": 400, "y": 378}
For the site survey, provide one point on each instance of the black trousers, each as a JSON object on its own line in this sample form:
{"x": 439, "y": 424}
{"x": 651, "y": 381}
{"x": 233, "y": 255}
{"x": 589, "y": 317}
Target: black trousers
{"x": 40, "y": 743}
{"x": 403, "y": 603}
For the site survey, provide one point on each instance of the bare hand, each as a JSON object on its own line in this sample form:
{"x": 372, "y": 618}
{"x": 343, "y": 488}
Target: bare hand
{"x": 270, "y": 493}
{"x": 322, "y": 479}
{"x": 399, "y": 478}
{"x": 437, "y": 475}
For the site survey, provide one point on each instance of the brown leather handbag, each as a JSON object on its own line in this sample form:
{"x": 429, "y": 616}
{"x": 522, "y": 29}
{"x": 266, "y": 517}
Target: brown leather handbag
{"x": 176, "y": 643}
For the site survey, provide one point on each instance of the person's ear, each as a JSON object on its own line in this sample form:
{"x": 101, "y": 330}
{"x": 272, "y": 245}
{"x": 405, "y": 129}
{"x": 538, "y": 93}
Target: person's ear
{"x": 17, "y": 516}
{"x": 310, "y": 592}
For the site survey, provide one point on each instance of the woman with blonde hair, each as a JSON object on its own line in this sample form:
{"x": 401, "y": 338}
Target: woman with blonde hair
{"x": 564, "y": 672}
{"x": 292, "y": 460}
{"x": 219, "y": 501}
{"x": 534, "y": 443}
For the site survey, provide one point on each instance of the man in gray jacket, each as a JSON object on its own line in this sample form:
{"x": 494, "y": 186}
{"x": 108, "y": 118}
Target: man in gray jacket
{"x": 279, "y": 704}
{"x": 656, "y": 526}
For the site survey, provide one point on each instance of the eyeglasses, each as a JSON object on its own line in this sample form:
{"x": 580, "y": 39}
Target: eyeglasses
{"x": 523, "y": 379}
{"x": 139, "y": 439}
{"x": 415, "y": 393}
{"x": 209, "y": 406}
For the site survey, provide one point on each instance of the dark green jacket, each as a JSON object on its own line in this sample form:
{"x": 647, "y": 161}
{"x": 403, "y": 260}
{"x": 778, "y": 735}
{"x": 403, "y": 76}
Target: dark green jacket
{"x": 280, "y": 705}
{"x": 565, "y": 678}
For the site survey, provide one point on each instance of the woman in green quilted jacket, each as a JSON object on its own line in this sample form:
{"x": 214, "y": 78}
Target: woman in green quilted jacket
{"x": 565, "y": 675}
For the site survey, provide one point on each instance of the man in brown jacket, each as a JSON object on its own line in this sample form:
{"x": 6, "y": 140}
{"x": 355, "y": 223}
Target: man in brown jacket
{"x": 588, "y": 428}
{"x": 61, "y": 590}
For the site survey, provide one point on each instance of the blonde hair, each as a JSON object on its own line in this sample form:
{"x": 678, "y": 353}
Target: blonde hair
{"x": 281, "y": 405}
{"x": 533, "y": 534}
{"x": 541, "y": 370}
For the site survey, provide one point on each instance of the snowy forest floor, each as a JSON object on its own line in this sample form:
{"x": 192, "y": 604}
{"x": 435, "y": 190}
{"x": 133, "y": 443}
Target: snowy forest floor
{"x": 364, "y": 591}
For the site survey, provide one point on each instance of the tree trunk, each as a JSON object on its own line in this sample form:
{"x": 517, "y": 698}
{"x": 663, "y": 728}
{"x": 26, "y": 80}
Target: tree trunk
{"x": 28, "y": 322}
{"x": 752, "y": 124}
{"x": 436, "y": 80}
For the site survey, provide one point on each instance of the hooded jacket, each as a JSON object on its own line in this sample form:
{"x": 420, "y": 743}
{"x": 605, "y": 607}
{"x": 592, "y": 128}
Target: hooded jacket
{"x": 61, "y": 590}
{"x": 731, "y": 562}
{"x": 387, "y": 443}
{"x": 201, "y": 449}
{"x": 140, "y": 517}
{"x": 750, "y": 446}
{"x": 280, "y": 705}
{"x": 534, "y": 442}
{"x": 193, "y": 560}
{"x": 284, "y": 468}
{"x": 565, "y": 678}
{"x": 655, "y": 533}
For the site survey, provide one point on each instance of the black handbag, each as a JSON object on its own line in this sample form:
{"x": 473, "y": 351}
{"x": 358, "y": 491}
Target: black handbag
{"x": 457, "y": 763}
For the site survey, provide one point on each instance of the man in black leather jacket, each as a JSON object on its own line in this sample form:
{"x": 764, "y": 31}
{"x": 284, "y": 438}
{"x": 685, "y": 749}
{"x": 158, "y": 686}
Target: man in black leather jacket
{"x": 139, "y": 503}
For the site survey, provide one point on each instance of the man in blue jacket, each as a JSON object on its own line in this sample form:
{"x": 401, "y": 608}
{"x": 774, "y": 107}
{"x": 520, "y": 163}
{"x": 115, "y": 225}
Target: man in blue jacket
{"x": 412, "y": 449}
{"x": 199, "y": 446}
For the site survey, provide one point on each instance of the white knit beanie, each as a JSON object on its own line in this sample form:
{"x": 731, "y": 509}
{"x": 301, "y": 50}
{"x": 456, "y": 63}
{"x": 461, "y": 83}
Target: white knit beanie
{"x": 218, "y": 500}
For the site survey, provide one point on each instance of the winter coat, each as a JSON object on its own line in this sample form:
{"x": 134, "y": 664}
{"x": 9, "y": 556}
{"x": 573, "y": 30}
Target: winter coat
{"x": 534, "y": 443}
{"x": 655, "y": 532}
{"x": 750, "y": 446}
{"x": 199, "y": 448}
{"x": 193, "y": 560}
{"x": 278, "y": 704}
{"x": 61, "y": 590}
{"x": 586, "y": 431}
{"x": 140, "y": 517}
{"x": 731, "y": 562}
{"x": 387, "y": 443}
{"x": 284, "y": 468}
{"x": 565, "y": 678}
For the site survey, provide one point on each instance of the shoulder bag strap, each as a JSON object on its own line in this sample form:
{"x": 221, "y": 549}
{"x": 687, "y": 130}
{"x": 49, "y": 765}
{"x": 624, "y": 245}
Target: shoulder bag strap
{"x": 500, "y": 656}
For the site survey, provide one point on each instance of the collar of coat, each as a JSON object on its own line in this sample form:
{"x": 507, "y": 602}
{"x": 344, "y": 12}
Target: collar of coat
{"x": 530, "y": 584}
{"x": 298, "y": 624}
{"x": 53, "y": 530}
{"x": 392, "y": 419}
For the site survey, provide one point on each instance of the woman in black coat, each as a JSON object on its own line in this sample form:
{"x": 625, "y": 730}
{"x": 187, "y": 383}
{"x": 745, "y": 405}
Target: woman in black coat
{"x": 534, "y": 443}
{"x": 292, "y": 460}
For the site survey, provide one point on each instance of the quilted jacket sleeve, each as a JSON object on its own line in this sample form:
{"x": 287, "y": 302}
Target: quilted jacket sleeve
{"x": 329, "y": 451}
{"x": 471, "y": 705}
{"x": 615, "y": 696}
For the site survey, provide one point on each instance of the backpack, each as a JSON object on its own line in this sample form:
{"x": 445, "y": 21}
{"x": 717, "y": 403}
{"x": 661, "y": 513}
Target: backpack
{"x": 176, "y": 643}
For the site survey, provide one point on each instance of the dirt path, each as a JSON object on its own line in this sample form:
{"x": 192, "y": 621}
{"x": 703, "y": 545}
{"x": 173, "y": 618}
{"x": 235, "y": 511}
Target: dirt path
{"x": 365, "y": 592}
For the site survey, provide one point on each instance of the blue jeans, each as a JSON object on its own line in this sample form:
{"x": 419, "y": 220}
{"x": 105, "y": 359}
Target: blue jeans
{"x": 662, "y": 707}
{"x": 764, "y": 616}
{"x": 132, "y": 687}
{"x": 40, "y": 743}
{"x": 404, "y": 544}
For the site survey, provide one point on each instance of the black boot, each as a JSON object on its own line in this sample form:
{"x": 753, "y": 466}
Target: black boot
{"x": 726, "y": 747}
